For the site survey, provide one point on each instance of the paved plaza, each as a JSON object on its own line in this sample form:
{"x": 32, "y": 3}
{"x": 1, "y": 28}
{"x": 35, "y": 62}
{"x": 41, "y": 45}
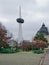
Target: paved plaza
{"x": 20, "y": 59}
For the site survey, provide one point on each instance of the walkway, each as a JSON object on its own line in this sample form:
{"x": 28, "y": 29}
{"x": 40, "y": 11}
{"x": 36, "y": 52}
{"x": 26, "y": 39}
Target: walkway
{"x": 46, "y": 60}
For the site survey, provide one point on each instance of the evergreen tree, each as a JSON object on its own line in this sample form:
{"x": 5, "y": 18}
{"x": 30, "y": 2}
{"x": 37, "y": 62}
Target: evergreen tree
{"x": 40, "y": 37}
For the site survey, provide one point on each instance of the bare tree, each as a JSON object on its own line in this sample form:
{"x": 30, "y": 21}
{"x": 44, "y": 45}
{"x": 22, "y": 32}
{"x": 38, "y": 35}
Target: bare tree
{"x": 3, "y": 36}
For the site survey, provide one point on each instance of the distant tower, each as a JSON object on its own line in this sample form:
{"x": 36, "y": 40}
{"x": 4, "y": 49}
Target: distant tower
{"x": 20, "y": 21}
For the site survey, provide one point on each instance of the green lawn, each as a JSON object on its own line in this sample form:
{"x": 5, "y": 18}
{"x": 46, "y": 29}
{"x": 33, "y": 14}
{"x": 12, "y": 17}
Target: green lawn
{"x": 21, "y": 58}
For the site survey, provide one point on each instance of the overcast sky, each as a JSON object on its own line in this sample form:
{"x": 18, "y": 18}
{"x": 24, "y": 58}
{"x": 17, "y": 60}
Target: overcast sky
{"x": 34, "y": 13}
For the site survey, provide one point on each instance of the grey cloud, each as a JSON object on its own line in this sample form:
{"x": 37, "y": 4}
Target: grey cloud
{"x": 33, "y": 15}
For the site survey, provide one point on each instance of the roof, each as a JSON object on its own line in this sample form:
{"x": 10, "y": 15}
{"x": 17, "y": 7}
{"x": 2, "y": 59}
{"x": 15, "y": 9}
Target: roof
{"x": 43, "y": 30}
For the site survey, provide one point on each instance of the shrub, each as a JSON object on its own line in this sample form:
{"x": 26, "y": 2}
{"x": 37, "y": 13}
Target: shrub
{"x": 38, "y": 51}
{"x": 8, "y": 50}
{"x": 18, "y": 50}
